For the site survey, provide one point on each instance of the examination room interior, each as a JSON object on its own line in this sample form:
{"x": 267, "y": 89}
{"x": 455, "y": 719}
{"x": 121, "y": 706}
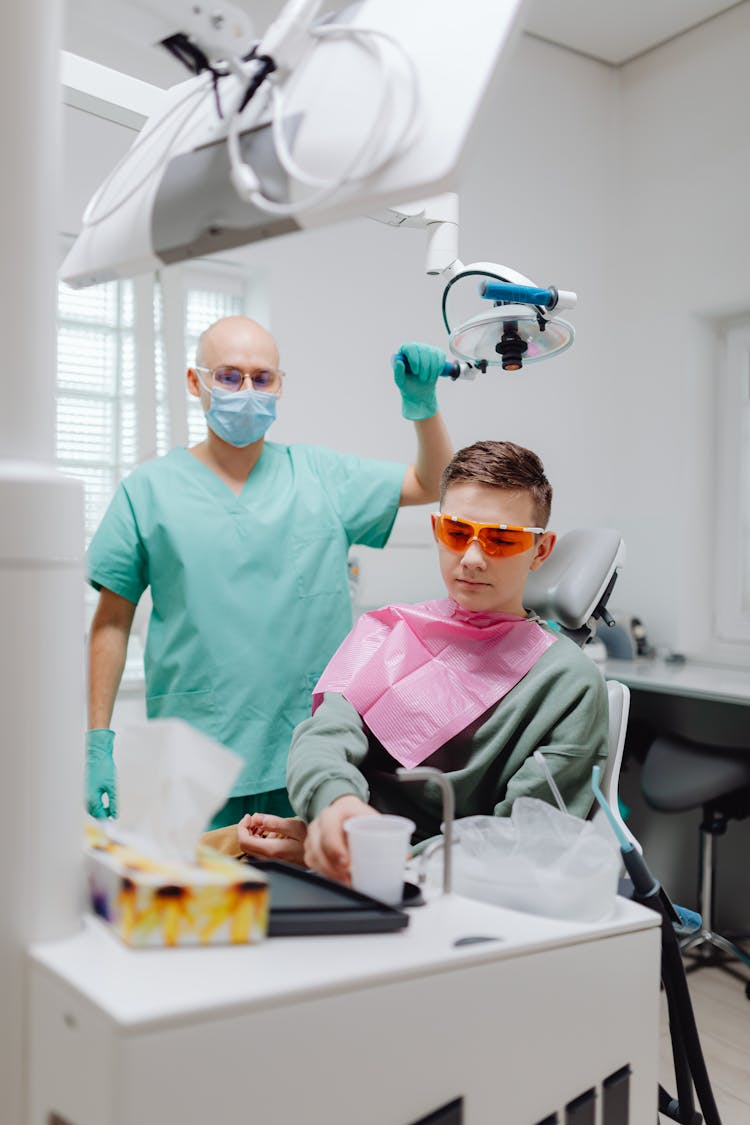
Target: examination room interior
{"x": 624, "y": 182}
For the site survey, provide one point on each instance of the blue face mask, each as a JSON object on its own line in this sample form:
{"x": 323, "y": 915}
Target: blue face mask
{"x": 240, "y": 417}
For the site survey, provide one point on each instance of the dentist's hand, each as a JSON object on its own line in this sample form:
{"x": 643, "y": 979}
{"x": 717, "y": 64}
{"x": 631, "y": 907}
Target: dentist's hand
{"x": 101, "y": 777}
{"x": 416, "y": 379}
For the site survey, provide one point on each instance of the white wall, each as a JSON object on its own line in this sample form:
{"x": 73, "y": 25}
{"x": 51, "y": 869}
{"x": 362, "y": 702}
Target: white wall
{"x": 344, "y": 298}
{"x": 583, "y": 176}
{"x": 683, "y": 249}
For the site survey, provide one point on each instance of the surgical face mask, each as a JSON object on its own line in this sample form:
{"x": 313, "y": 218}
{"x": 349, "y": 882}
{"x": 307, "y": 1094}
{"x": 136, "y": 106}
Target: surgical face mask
{"x": 240, "y": 417}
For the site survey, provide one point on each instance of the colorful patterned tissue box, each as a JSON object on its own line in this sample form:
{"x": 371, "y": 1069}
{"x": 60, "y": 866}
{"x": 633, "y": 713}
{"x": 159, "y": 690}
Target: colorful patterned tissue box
{"x": 215, "y": 901}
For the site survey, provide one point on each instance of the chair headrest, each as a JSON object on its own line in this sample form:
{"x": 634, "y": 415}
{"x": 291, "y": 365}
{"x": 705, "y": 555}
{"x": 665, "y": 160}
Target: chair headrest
{"x": 570, "y": 585}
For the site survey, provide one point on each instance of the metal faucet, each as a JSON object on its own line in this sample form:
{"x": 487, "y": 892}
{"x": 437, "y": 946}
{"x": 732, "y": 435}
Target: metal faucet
{"x": 428, "y": 773}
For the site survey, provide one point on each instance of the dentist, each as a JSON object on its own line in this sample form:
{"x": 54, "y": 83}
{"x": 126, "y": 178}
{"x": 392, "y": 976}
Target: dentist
{"x": 243, "y": 543}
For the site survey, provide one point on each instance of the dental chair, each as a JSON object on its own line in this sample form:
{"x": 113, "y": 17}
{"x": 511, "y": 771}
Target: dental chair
{"x": 571, "y": 589}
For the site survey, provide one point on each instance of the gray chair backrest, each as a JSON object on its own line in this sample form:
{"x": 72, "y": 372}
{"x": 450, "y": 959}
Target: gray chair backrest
{"x": 573, "y": 585}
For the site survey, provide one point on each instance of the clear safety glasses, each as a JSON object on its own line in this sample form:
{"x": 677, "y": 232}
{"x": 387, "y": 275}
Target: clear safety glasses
{"x": 233, "y": 379}
{"x": 498, "y": 540}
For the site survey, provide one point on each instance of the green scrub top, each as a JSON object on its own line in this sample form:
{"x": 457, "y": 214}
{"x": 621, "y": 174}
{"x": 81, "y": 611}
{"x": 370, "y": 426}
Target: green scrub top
{"x": 250, "y": 593}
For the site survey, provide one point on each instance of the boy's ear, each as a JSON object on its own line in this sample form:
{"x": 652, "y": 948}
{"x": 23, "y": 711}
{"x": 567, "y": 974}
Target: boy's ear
{"x": 543, "y": 549}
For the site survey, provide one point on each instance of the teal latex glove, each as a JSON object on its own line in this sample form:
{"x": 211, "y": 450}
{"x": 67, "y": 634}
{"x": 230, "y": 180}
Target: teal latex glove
{"x": 418, "y": 397}
{"x": 100, "y": 773}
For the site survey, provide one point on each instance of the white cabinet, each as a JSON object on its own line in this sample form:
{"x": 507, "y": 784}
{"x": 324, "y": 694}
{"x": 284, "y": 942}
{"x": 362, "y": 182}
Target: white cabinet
{"x": 358, "y": 1030}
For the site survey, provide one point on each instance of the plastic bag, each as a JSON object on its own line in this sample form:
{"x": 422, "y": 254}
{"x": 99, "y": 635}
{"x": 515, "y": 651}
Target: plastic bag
{"x": 538, "y": 860}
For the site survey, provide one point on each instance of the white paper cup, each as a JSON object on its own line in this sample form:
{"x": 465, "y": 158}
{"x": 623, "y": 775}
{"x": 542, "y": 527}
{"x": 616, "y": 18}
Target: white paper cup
{"x": 377, "y": 852}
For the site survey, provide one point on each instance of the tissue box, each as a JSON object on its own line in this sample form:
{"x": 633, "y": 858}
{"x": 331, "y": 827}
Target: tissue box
{"x": 212, "y": 902}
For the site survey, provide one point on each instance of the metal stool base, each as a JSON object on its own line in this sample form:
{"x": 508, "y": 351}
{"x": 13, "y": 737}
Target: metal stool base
{"x": 708, "y": 937}
{"x": 705, "y": 949}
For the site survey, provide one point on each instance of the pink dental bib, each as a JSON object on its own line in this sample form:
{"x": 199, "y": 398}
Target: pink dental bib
{"x": 419, "y": 674}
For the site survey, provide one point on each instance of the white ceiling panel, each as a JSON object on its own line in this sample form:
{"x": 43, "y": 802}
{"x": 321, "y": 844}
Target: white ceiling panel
{"x": 116, "y": 33}
{"x": 616, "y": 31}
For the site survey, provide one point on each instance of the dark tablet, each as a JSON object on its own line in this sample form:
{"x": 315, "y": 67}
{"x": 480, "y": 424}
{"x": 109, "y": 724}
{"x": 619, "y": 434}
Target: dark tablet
{"x": 303, "y": 902}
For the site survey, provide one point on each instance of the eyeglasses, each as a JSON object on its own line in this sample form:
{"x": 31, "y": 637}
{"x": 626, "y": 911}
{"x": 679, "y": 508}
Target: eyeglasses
{"x": 232, "y": 379}
{"x": 498, "y": 540}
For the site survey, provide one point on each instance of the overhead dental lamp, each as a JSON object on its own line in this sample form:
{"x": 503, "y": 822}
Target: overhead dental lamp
{"x": 519, "y": 328}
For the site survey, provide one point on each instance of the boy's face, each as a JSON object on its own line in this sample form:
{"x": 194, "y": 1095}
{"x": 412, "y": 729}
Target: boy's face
{"x": 478, "y": 581}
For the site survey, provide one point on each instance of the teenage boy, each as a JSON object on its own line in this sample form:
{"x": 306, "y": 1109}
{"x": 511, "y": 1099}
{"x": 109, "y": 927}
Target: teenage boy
{"x": 471, "y": 684}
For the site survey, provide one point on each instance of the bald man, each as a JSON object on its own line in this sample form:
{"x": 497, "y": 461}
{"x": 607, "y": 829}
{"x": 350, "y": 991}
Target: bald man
{"x": 244, "y": 545}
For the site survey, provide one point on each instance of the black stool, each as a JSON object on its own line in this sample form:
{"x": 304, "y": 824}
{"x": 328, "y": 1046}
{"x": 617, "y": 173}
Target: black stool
{"x": 679, "y": 775}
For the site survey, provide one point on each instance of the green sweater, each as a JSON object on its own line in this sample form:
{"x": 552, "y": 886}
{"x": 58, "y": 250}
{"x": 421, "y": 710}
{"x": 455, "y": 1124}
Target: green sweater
{"x": 559, "y": 707}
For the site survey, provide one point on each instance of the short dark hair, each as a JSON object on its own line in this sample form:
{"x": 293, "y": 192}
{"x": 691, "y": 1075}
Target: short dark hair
{"x": 501, "y": 464}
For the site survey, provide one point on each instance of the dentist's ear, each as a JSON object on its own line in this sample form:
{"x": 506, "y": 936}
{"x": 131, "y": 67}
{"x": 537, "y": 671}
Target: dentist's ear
{"x": 193, "y": 383}
{"x": 543, "y": 549}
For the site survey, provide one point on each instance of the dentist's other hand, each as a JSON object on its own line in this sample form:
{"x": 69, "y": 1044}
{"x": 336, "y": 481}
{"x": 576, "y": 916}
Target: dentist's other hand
{"x": 101, "y": 776}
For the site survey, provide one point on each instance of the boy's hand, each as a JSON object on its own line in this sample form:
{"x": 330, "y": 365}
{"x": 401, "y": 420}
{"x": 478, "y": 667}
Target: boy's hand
{"x": 326, "y": 846}
{"x": 264, "y": 836}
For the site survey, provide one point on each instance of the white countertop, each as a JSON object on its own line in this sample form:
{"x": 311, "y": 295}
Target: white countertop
{"x": 160, "y": 987}
{"x": 701, "y": 681}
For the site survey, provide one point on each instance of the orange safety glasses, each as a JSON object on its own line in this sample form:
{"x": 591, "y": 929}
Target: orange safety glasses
{"x": 498, "y": 540}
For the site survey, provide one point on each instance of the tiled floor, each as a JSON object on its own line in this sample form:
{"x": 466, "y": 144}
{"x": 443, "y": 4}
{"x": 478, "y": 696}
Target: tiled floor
{"x": 722, "y": 1012}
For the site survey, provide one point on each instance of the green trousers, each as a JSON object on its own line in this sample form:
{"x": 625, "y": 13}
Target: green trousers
{"x": 275, "y": 801}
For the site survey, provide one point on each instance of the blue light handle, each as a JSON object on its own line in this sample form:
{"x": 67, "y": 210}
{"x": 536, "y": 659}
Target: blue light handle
{"x": 450, "y": 370}
{"x": 518, "y": 294}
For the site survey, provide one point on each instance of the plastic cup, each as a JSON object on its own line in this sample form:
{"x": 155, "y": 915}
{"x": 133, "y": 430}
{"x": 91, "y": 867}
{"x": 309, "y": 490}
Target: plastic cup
{"x": 377, "y": 853}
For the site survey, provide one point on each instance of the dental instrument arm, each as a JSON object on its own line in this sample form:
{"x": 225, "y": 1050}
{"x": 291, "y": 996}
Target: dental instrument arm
{"x": 315, "y": 120}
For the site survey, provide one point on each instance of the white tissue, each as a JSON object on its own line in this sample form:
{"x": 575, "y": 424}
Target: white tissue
{"x": 171, "y": 779}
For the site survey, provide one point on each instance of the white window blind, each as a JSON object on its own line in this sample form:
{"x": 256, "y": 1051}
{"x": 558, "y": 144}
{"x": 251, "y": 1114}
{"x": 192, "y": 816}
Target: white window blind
{"x": 160, "y": 376}
{"x": 208, "y": 296}
{"x": 96, "y": 406}
{"x": 113, "y": 372}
